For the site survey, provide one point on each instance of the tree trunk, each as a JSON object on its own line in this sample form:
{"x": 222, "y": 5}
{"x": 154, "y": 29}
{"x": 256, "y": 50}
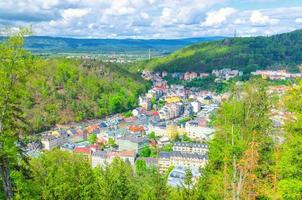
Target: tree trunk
{"x": 234, "y": 169}
{"x": 5, "y": 174}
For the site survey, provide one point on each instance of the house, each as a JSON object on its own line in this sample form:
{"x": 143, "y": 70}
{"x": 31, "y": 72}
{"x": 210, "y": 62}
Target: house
{"x": 145, "y": 103}
{"x": 136, "y": 130}
{"x": 197, "y": 132}
{"x": 182, "y": 159}
{"x": 163, "y": 141}
{"x": 86, "y": 150}
{"x": 102, "y": 158}
{"x": 132, "y": 143}
{"x": 188, "y": 147}
{"x": 50, "y": 142}
{"x": 157, "y": 129}
{"x": 196, "y": 106}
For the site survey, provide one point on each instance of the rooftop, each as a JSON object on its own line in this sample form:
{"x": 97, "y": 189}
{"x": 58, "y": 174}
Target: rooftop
{"x": 189, "y": 144}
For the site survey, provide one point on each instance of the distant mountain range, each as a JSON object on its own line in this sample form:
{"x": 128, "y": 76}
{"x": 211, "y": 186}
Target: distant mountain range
{"x": 282, "y": 51}
{"x": 55, "y": 45}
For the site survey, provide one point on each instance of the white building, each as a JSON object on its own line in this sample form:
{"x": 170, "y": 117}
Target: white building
{"x": 101, "y": 158}
{"x": 182, "y": 159}
{"x": 198, "y": 133}
{"x": 188, "y": 147}
{"x": 196, "y": 106}
{"x": 50, "y": 142}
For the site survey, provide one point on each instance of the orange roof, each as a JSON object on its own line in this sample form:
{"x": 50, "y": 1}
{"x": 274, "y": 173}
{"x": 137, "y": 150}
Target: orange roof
{"x": 134, "y": 128}
{"x": 91, "y": 128}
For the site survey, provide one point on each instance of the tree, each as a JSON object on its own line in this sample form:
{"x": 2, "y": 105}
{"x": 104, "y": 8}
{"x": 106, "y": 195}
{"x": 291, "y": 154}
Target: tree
{"x": 116, "y": 181}
{"x": 111, "y": 142}
{"x": 92, "y": 138}
{"x": 290, "y": 165}
{"x": 16, "y": 66}
{"x": 140, "y": 167}
{"x": 167, "y": 147}
{"x": 62, "y": 175}
{"x": 152, "y": 135}
{"x": 241, "y": 153}
{"x": 145, "y": 152}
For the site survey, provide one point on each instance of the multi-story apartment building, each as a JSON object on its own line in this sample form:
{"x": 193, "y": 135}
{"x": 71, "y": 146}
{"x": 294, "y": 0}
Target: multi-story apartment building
{"x": 177, "y": 158}
{"x": 187, "y": 147}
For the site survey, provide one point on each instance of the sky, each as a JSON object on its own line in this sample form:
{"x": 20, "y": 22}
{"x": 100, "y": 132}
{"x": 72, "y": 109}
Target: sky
{"x": 155, "y": 19}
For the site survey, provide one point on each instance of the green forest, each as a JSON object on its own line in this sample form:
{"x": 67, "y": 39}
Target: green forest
{"x": 246, "y": 54}
{"x": 61, "y": 90}
{"x": 248, "y": 159}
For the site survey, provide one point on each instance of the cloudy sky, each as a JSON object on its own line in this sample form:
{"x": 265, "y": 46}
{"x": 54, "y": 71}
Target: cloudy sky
{"x": 152, "y": 18}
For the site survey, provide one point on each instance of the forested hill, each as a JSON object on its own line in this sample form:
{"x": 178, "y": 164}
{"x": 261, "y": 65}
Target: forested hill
{"x": 246, "y": 54}
{"x": 57, "y": 45}
{"x": 68, "y": 90}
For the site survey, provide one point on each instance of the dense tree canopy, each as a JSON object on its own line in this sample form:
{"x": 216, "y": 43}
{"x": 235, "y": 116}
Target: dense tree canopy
{"x": 246, "y": 54}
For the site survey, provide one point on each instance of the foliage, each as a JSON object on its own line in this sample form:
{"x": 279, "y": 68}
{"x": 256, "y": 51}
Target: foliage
{"x": 128, "y": 114}
{"x": 111, "y": 142}
{"x": 246, "y": 54}
{"x": 185, "y": 138}
{"x": 145, "y": 152}
{"x": 290, "y": 164}
{"x": 92, "y": 138}
{"x": 241, "y": 152}
{"x": 73, "y": 90}
{"x": 152, "y": 135}
{"x": 16, "y": 68}
{"x": 167, "y": 147}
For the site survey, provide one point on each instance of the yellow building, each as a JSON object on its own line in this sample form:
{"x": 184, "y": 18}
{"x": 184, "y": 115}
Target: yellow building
{"x": 174, "y": 99}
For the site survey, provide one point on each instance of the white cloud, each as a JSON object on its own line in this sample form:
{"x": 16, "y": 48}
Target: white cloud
{"x": 74, "y": 13}
{"x": 216, "y": 18}
{"x": 146, "y": 18}
{"x": 298, "y": 20}
{"x": 259, "y": 19}
{"x": 239, "y": 21}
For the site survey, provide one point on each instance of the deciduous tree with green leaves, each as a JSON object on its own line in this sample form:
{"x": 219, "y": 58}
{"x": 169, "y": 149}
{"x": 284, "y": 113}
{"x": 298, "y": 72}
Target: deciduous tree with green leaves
{"x": 16, "y": 67}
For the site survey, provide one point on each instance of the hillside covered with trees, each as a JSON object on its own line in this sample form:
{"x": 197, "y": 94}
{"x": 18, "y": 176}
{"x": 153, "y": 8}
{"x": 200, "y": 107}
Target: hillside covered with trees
{"x": 246, "y": 54}
{"x": 61, "y": 90}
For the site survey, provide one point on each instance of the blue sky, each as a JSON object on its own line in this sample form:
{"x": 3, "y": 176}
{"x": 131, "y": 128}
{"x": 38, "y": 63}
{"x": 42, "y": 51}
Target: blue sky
{"x": 152, "y": 18}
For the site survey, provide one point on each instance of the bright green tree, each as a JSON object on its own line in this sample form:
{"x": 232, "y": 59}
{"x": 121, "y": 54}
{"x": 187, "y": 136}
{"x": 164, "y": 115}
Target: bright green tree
{"x": 116, "y": 181}
{"x": 16, "y": 67}
{"x": 290, "y": 165}
{"x": 243, "y": 131}
{"x": 62, "y": 175}
{"x": 92, "y": 138}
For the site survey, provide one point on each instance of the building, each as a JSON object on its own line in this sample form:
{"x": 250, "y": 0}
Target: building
{"x": 157, "y": 129}
{"x": 171, "y": 111}
{"x": 190, "y": 76}
{"x": 145, "y": 103}
{"x": 136, "y": 130}
{"x": 172, "y": 99}
{"x": 177, "y": 176}
{"x": 226, "y": 73}
{"x": 102, "y": 158}
{"x": 188, "y": 147}
{"x": 50, "y": 142}
{"x": 196, "y": 106}
{"x": 132, "y": 143}
{"x": 182, "y": 159}
{"x": 198, "y": 132}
